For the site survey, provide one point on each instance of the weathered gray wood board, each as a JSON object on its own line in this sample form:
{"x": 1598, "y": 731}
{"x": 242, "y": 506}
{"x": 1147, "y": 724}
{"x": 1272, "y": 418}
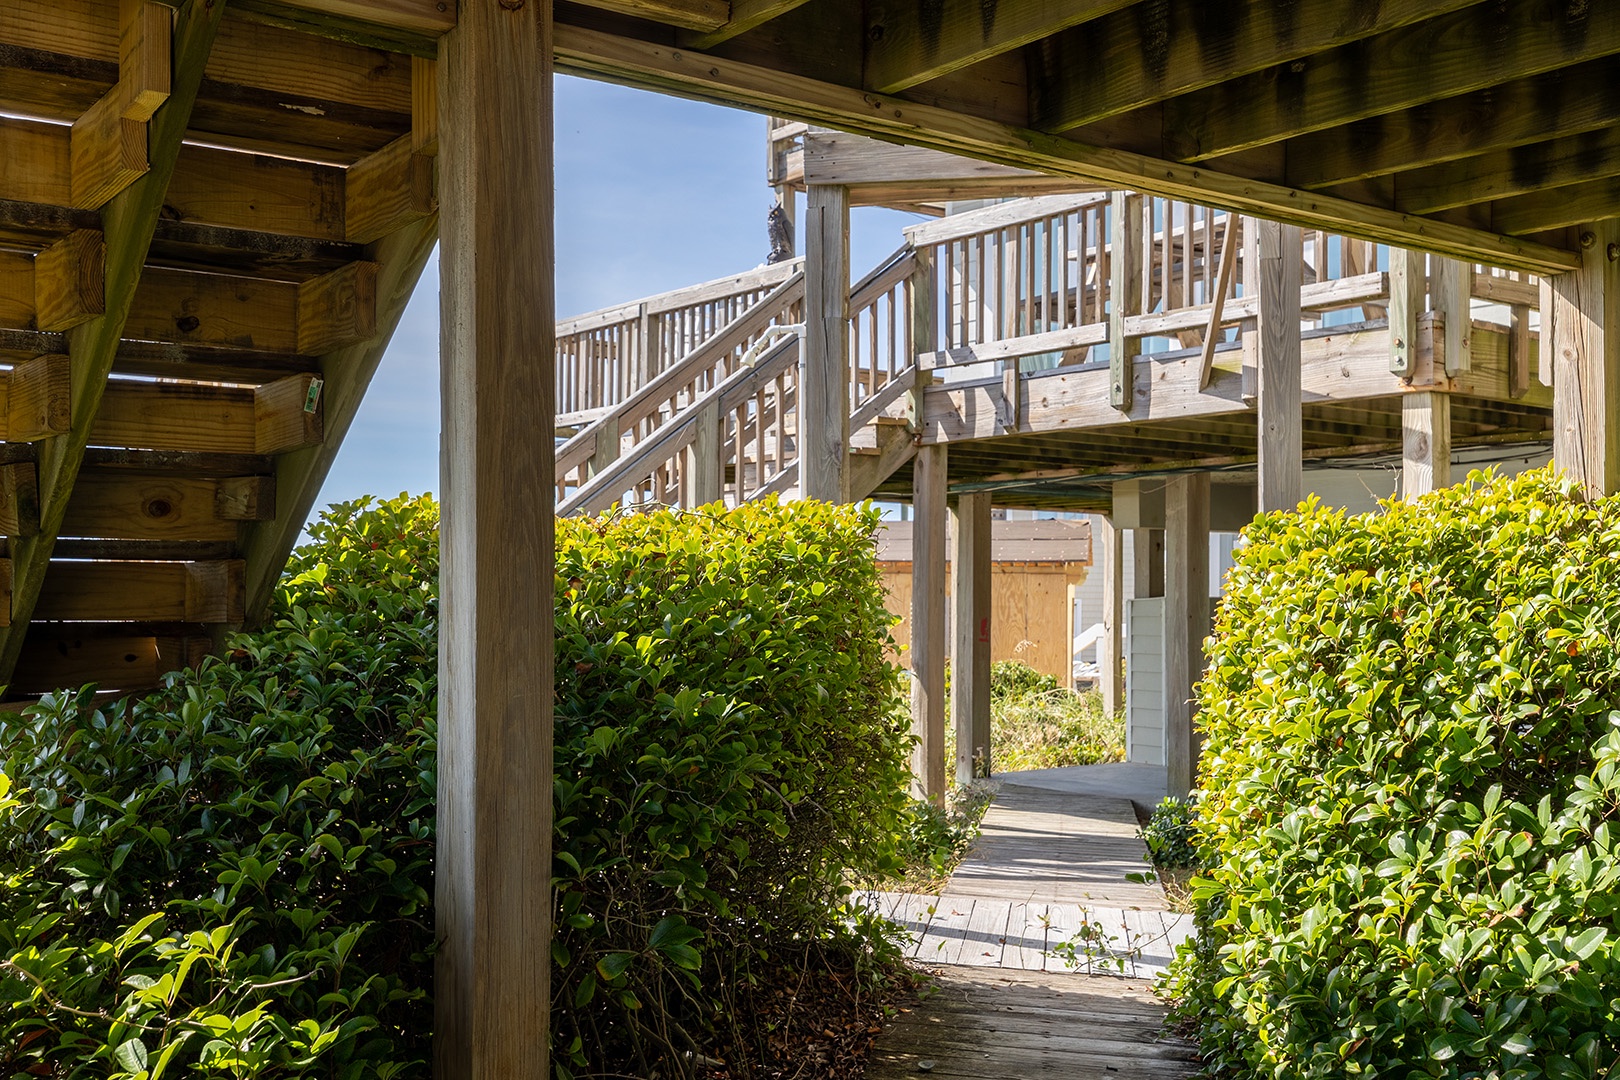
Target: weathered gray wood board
{"x": 1007, "y": 1024}
{"x": 1051, "y": 847}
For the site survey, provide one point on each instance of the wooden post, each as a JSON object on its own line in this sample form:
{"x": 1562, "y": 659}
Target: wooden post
{"x": 648, "y": 362}
{"x": 1586, "y": 362}
{"x": 708, "y": 458}
{"x": 1249, "y": 329}
{"x": 1280, "y": 272}
{"x": 924, "y": 332}
{"x": 1148, "y": 565}
{"x": 607, "y": 447}
{"x": 928, "y": 623}
{"x": 1186, "y": 620}
{"x": 1408, "y": 284}
{"x": 1453, "y": 289}
{"x": 1124, "y": 294}
{"x": 1425, "y": 443}
{"x": 1111, "y": 653}
{"x": 824, "y": 387}
{"x": 970, "y": 649}
{"x": 1518, "y": 350}
{"x": 493, "y": 869}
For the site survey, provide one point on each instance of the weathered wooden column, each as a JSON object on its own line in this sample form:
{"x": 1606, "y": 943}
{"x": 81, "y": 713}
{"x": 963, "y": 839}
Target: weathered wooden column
{"x": 1125, "y": 292}
{"x": 1111, "y": 653}
{"x": 1148, "y": 565}
{"x": 492, "y": 875}
{"x": 1425, "y": 443}
{"x": 928, "y": 622}
{"x": 824, "y": 378}
{"x": 1186, "y": 620}
{"x": 970, "y": 647}
{"x": 1586, "y": 361}
{"x": 706, "y": 458}
{"x": 1452, "y": 289}
{"x": 1279, "y": 272}
{"x": 1408, "y": 290}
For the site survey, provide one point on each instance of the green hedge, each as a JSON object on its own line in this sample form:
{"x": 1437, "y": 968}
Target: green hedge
{"x": 1410, "y": 779}
{"x": 234, "y": 873}
{"x": 730, "y": 741}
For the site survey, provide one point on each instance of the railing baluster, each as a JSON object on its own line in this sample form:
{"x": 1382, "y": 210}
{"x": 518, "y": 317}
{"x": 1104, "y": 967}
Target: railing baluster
{"x": 872, "y": 348}
{"x": 1026, "y": 259}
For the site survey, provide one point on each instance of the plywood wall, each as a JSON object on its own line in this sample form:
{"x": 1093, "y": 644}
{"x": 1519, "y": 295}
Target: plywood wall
{"x": 1029, "y": 615}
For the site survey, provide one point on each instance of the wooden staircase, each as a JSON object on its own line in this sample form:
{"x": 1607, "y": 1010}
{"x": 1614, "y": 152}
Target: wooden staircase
{"x": 711, "y": 410}
{"x": 209, "y": 226}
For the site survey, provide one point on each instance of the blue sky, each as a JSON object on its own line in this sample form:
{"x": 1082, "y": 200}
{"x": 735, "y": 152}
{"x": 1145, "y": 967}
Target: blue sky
{"x": 653, "y": 193}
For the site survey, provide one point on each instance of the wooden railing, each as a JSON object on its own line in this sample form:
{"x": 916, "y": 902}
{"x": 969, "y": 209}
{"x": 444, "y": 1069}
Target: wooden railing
{"x": 691, "y": 396}
{"x": 699, "y": 441}
{"x": 1067, "y": 279}
{"x": 605, "y": 356}
{"x": 880, "y": 345}
{"x": 622, "y": 429}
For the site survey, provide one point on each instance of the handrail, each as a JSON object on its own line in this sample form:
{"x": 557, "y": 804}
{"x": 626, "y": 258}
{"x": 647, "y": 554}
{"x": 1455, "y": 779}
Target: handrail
{"x": 1000, "y": 216}
{"x": 892, "y": 391}
{"x": 601, "y": 490}
{"x": 780, "y": 483}
{"x": 1072, "y": 337}
{"x": 888, "y": 273}
{"x": 659, "y": 303}
{"x": 645, "y": 401}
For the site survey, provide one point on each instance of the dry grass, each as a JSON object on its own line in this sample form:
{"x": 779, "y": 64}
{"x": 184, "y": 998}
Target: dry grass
{"x": 1037, "y": 724}
{"x": 1177, "y": 886}
{"x": 1052, "y": 728}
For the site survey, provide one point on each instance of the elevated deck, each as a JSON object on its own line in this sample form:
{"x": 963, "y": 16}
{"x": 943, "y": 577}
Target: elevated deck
{"x": 193, "y": 231}
{"x": 1002, "y": 334}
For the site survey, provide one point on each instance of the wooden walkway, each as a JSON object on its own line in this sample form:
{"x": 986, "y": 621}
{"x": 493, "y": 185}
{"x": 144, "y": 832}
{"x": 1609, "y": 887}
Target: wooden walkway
{"x": 1037, "y": 845}
{"x": 1047, "y": 947}
{"x": 1050, "y": 869}
{"x": 1002, "y": 1025}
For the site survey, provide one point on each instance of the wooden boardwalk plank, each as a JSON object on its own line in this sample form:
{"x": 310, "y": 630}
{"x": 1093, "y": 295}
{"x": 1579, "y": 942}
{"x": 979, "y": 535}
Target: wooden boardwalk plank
{"x": 1050, "y": 868}
{"x": 942, "y": 942}
{"x": 1026, "y": 937}
{"x": 986, "y": 937}
{"x": 1038, "y": 845}
{"x": 997, "y": 1025}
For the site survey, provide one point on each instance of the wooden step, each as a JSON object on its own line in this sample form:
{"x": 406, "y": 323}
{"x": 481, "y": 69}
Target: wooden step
{"x": 265, "y": 196}
{"x": 270, "y": 419}
{"x": 115, "y": 657}
{"x": 266, "y": 88}
{"x": 72, "y": 547}
{"x": 191, "y": 592}
{"x": 309, "y": 318}
{"x": 120, "y": 505}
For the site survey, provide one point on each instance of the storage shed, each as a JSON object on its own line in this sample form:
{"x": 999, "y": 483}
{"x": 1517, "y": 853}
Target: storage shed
{"x": 1035, "y": 568}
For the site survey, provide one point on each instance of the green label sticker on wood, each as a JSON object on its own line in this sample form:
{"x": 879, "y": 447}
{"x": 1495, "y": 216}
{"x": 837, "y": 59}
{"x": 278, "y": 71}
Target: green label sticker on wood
{"x": 312, "y": 399}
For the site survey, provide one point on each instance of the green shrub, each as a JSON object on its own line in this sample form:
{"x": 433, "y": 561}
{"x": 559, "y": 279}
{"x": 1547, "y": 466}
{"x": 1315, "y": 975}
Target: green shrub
{"x": 233, "y": 874}
{"x": 1410, "y": 777}
{"x": 1016, "y": 679}
{"x": 936, "y": 838}
{"x": 1170, "y": 835}
{"x": 731, "y": 742}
